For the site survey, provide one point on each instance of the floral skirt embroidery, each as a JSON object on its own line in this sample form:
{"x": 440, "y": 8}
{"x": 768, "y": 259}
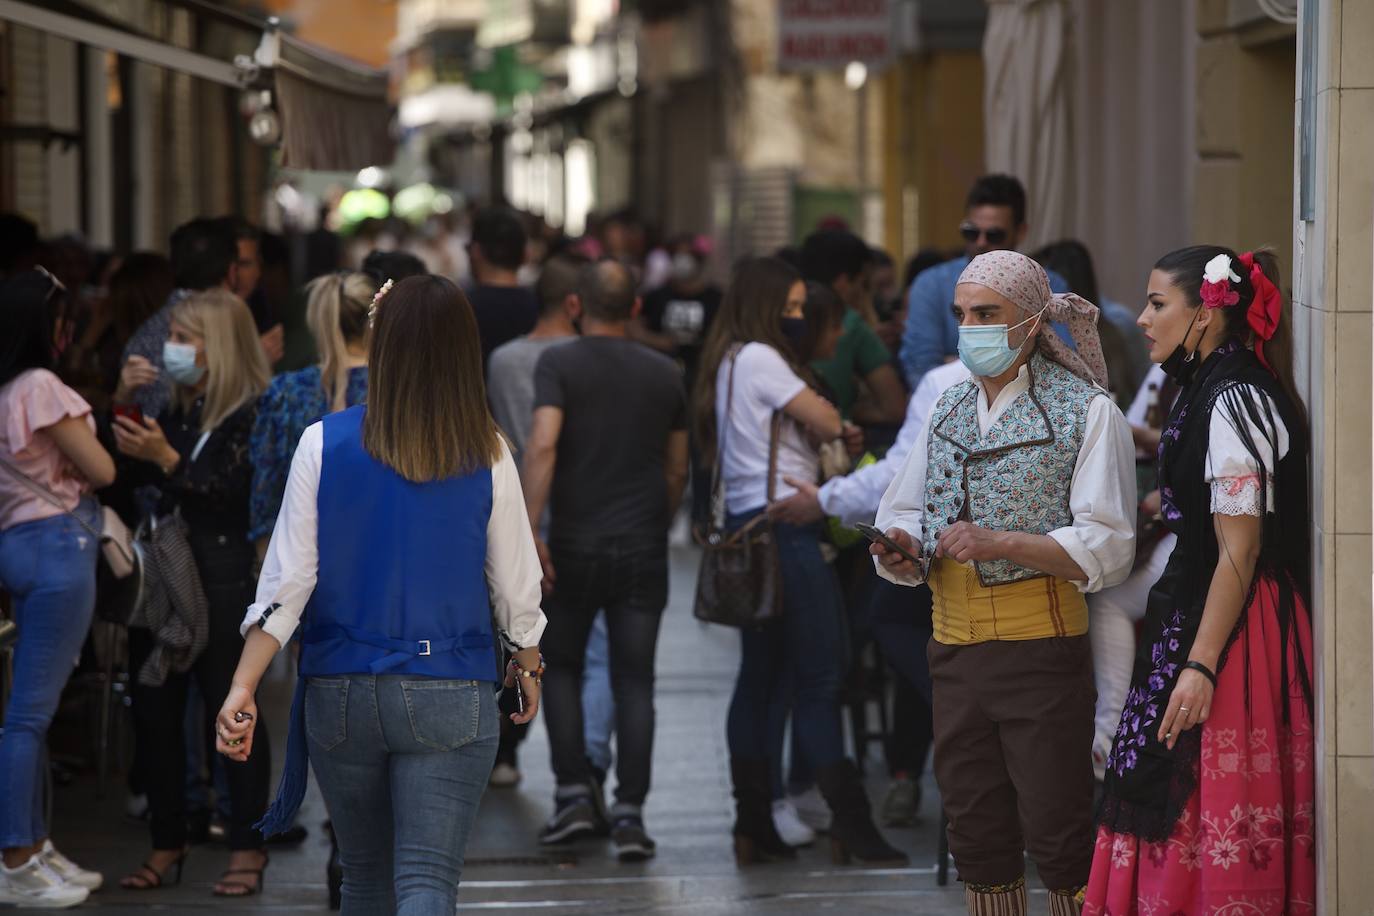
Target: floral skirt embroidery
{"x": 1244, "y": 843}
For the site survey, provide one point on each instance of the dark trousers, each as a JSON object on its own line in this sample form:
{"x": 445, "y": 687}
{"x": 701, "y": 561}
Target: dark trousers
{"x": 796, "y": 662}
{"x": 899, "y": 619}
{"x": 1013, "y": 731}
{"x": 628, "y": 578}
{"x": 225, "y": 566}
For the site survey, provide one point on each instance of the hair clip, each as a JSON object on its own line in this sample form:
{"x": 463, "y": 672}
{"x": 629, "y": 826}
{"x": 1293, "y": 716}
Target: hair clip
{"x": 377, "y": 300}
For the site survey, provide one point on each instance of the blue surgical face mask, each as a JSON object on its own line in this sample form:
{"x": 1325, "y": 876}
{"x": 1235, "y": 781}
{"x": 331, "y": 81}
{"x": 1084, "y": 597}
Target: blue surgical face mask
{"x": 984, "y": 349}
{"x": 179, "y": 360}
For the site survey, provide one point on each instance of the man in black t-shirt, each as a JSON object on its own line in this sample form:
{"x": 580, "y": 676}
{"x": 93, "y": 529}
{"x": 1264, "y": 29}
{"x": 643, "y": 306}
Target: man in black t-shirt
{"x": 505, "y": 310}
{"x": 607, "y": 453}
{"x": 678, "y": 314}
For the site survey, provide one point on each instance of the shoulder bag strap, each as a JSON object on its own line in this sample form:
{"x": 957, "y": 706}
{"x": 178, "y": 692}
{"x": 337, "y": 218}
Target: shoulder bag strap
{"x": 717, "y": 521}
{"x": 50, "y": 496}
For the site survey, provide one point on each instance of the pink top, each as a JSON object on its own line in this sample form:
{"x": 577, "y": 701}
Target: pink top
{"x": 29, "y": 404}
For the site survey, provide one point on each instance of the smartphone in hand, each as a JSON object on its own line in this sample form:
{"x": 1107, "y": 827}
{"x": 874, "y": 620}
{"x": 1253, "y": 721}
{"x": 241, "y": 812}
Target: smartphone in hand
{"x": 129, "y": 411}
{"x": 877, "y": 537}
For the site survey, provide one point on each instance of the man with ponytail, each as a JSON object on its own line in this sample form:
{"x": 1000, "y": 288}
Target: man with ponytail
{"x": 1209, "y": 796}
{"x": 336, "y": 313}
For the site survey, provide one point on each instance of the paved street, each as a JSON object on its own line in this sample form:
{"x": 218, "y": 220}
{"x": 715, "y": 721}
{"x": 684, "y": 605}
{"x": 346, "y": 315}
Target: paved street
{"x": 689, "y": 813}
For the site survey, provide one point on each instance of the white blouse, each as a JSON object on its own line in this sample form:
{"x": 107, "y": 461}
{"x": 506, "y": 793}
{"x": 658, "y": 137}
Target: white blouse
{"x": 1101, "y": 538}
{"x": 1231, "y": 470}
{"x": 292, "y": 564}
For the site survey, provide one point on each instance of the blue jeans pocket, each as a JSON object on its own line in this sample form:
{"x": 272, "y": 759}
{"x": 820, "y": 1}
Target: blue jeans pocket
{"x": 444, "y": 714}
{"x": 326, "y": 711}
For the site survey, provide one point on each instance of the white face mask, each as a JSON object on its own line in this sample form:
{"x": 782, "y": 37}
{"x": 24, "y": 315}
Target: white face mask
{"x": 179, "y": 359}
{"x": 986, "y": 351}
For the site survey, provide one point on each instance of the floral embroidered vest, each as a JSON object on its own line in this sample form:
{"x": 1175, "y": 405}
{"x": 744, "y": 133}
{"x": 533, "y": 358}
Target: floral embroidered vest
{"x": 1017, "y": 477}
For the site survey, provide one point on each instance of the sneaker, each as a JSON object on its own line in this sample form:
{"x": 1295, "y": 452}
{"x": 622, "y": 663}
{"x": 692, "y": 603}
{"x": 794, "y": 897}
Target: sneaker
{"x": 504, "y": 776}
{"x": 789, "y": 825}
{"x": 575, "y": 817}
{"x": 902, "y": 803}
{"x": 812, "y": 809}
{"x": 34, "y": 884}
{"x": 68, "y": 870}
{"x": 632, "y": 842}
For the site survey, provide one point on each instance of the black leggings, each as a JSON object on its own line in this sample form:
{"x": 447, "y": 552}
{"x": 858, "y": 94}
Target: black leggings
{"x": 225, "y": 565}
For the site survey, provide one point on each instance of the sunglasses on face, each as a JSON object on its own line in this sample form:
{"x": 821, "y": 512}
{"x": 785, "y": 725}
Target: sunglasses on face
{"x": 971, "y": 233}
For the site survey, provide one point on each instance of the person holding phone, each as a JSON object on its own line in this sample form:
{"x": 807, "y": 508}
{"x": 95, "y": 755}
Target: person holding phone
{"x": 403, "y": 553}
{"x": 1020, "y": 497}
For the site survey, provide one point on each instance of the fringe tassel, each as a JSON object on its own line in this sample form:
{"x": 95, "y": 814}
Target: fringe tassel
{"x": 996, "y": 900}
{"x": 294, "y": 773}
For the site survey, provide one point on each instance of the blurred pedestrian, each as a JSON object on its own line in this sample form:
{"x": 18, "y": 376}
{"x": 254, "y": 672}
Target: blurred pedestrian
{"x": 608, "y": 455}
{"x": 336, "y": 312}
{"x": 504, "y": 309}
{"x": 749, "y": 377}
{"x": 404, "y": 531}
{"x": 199, "y": 455}
{"x": 994, "y": 220}
{"x": 52, "y": 462}
{"x": 138, "y": 288}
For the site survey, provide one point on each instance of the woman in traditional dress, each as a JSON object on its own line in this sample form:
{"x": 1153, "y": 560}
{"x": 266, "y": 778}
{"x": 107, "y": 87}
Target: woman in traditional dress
{"x": 1208, "y": 804}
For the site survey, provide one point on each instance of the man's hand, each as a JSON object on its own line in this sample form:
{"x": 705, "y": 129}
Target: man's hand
{"x": 853, "y": 440}
{"x": 274, "y": 344}
{"x": 965, "y": 542}
{"x": 545, "y": 561}
{"x": 802, "y": 507}
{"x": 893, "y": 561}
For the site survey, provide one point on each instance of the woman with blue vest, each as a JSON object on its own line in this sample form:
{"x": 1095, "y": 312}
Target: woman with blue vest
{"x": 403, "y": 552}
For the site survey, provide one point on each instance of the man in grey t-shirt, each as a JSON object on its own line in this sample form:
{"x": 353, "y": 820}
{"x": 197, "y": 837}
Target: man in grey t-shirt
{"x": 510, "y": 369}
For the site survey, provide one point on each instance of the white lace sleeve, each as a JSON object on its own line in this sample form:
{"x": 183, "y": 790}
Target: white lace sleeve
{"x": 1232, "y": 471}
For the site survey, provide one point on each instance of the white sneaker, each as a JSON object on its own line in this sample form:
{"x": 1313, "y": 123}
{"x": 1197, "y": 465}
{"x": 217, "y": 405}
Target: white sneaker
{"x": 789, "y": 826}
{"x": 812, "y": 809}
{"x": 34, "y": 884}
{"x": 68, "y": 870}
{"x": 504, "y": 776}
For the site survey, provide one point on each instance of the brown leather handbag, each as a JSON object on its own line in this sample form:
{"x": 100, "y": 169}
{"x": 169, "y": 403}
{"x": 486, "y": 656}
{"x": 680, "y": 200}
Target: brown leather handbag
{"x": 739, "y": 583}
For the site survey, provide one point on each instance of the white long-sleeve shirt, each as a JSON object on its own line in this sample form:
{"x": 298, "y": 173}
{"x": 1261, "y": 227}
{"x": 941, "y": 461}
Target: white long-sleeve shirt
{"x": 854, "y": 497}
{"x": 292, "y": 565}
{"x": 1101, "y": 539}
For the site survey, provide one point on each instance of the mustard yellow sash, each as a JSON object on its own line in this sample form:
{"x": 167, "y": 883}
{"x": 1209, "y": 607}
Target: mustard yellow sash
{"x": 968, "y": 612}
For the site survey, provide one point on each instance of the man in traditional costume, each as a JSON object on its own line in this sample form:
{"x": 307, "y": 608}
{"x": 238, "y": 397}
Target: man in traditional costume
{"x": 1018, "y": 498}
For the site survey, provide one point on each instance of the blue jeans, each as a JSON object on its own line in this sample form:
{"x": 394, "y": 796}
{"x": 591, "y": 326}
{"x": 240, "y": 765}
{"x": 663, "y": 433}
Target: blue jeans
{"x": 796, "y": 662}
{"x": 598, "y": 703}
{"x": 48, "y": 566}
{"x": 402, "y": 763}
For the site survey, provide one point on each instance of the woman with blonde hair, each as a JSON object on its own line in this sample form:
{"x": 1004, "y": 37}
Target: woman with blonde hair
{"x": 404, "y": 531}
{"x": 336, "y": 313}
{"x": 198, "y": 457}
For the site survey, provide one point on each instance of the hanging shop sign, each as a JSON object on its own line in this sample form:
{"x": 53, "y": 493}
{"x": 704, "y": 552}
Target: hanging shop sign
{"x": 831, "y": 34}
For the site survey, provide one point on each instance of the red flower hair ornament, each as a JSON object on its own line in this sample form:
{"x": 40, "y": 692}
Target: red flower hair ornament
{"x": 1217, "y": 278}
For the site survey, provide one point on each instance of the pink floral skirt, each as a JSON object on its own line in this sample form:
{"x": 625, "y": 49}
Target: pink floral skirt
{"x": 1244, "y": 843}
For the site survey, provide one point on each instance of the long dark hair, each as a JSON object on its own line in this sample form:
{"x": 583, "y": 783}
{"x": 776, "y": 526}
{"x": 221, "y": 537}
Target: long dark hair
{"x": 31, "y": 303}
{"x": 824, "y": 312}
{"x": 1186, "y": 266}
{"x": 427, "y": 416}
{"x": 751, "y": 312}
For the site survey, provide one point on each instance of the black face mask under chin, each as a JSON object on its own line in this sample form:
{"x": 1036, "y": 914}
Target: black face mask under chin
{"x": 1181, "y": 365}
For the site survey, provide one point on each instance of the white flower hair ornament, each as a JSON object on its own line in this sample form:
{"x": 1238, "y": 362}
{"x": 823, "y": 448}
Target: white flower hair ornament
{"x": 1217, "y": 278}
{"x": 377, "y": 300}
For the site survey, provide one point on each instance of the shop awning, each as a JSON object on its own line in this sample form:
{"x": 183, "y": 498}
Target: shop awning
{"x": 334, "y": 111}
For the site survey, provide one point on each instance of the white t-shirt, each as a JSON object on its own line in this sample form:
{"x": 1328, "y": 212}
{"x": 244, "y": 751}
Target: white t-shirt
{"x": 764, "y": 382}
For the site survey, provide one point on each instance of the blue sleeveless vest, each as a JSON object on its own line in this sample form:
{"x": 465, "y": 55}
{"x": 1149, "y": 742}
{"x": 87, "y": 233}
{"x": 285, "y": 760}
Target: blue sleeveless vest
{"x": 401, "y": 587}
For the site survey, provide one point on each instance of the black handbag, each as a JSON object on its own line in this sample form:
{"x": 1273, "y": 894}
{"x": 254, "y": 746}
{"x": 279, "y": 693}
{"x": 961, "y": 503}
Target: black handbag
{"x": 739, "y": 583}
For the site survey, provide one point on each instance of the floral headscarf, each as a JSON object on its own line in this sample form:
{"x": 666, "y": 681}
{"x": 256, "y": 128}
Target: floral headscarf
{"x": 1023, "y": 281}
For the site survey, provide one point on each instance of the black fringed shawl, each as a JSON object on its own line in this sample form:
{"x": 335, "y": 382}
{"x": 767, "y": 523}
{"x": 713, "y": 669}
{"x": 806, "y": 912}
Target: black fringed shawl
{"x": 1147, "y": 785}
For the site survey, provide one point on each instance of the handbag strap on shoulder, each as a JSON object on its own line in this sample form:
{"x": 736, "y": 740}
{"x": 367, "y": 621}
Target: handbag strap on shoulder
{"x": 50, "y": 496}
{"x": 775, "y": 431}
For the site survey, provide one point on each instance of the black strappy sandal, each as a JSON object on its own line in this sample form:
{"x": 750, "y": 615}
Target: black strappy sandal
{"x": 159, "y": 878}
{"x": 243, "y": 889}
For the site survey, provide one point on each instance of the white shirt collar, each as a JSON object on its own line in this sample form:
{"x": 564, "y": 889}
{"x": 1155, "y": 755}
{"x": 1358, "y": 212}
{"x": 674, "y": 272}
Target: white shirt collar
{"x": 988, "y": 414}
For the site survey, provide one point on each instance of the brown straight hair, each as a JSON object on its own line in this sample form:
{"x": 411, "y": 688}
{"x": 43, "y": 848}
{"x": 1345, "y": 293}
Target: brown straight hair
{"x": 427, "y": 416}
